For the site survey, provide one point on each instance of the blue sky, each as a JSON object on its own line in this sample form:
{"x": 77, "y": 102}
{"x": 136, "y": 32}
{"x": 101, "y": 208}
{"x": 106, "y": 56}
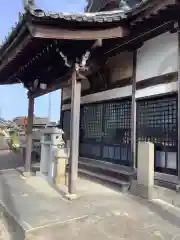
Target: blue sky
{"x": 13, "y": 98}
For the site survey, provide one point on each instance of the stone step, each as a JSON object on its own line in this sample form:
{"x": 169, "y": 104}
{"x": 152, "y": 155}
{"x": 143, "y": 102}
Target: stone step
{"x": 111, "y": 170}
{"x": 9, "y": 226}
{"x": 107, "y": 166}
{"x": 123, "y": 185}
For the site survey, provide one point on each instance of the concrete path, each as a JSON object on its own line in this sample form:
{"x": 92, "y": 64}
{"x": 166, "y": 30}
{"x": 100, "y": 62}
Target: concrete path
{"x": 32, "y": 202}
{"x": 10, "y": 160}
{"x": 31, "y": 209}
{"x": 118, "y": 217}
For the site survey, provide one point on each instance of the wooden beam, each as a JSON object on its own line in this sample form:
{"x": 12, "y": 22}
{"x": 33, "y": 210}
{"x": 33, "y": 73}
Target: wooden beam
{"x": 74, "y": 133}
{"x": 133, "y": 113}
{"x": 11, "y": 44}
{"x": 137, "y": 37}
{"x": 14, "y": 52}
{"x": 61, "y": 104}
{"x": 55, "y": 86}
{"x": 153, "y": 8}
{"x": 147, "y": 7}
{"x": 57, "y": 33}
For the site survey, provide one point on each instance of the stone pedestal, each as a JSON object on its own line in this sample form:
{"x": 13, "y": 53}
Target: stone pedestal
{"x": 45, "y": 156}
{"x": 51, "y": 144}
{"x": 145, "y": 171}
{"x": 61, "y": 159}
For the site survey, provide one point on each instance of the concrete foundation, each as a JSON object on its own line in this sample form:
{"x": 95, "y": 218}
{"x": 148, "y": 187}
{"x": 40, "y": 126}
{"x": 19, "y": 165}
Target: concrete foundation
{"x": 144, "y": 187}
{"x": 145, "y": 191}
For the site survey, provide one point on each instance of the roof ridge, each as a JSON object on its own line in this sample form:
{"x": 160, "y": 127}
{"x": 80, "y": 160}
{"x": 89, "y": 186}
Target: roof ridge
{"x": 114, "y": 15}
{"x": 39, "y": 11}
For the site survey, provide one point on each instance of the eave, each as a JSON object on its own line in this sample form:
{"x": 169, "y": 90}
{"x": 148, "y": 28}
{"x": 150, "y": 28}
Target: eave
{"x": 31, "y": 50}
{"x": 149, "y": 9}
{"x": 148, "y": 23}
{"x": 37, "y": 33}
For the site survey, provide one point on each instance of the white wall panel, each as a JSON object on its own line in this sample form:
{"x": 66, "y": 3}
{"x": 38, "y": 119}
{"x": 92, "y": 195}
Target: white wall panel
{"x": 157, "y": 90}
{"x": 157, "y": 56}
{"x": 115, "y": 93}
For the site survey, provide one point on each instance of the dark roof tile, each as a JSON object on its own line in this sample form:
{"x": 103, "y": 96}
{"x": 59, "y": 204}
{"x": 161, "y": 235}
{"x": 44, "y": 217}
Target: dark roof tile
{"x": 115, "y": 15}
{"x": 39, "y": 14}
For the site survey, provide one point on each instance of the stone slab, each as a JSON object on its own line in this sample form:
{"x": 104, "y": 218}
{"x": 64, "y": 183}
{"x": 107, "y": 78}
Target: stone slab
{"x": 99, "y": 213}
{"x": 32, "y": 202}
{"x": 113, "y": 215}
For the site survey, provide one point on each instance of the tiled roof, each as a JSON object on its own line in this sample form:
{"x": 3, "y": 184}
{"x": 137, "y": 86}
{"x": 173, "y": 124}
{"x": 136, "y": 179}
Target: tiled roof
{"x": 89, "y": 18}
{"x": 109, "y": 16}
{"x": 39, "y": 14}
{"x": 124, "y": 5}
{"x": 94, "y": 17}
{"x": 98, "y": 5}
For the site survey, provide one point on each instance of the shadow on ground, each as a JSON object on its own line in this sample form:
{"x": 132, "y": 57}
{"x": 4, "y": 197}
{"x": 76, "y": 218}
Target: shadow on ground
{"x": 10, "y": 229}
{"x": 101, "y": 213}
{"x": 165, "y": 213}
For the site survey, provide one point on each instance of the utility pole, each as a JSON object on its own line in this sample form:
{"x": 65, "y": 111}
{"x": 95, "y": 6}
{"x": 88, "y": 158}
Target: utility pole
{"x": 49, "y": 107}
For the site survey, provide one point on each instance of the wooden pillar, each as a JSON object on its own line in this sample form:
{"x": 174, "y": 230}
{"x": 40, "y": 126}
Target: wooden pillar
{"x": 27, "y": 167}
{"x": 133, "y": 114}
{"x": 178, "y": 115}
{"x": 74, "y": 133}
{"x": 61, "y": 104}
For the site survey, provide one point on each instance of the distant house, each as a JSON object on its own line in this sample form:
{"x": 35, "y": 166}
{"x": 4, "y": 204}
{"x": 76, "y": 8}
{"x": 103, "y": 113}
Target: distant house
{"x": 38, "y": 122}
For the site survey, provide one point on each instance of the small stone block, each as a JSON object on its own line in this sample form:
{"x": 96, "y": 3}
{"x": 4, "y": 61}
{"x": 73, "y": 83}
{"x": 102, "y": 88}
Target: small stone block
{"x": 133, "y": 187}
{"x": 27, "y": 174}
{"x": 61, "y": 171}
{"x": 61, "y": 180}
{"x": 71, "y": 196}
{"x": 178, "y": 188}
{"x": 176, "y": 200}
